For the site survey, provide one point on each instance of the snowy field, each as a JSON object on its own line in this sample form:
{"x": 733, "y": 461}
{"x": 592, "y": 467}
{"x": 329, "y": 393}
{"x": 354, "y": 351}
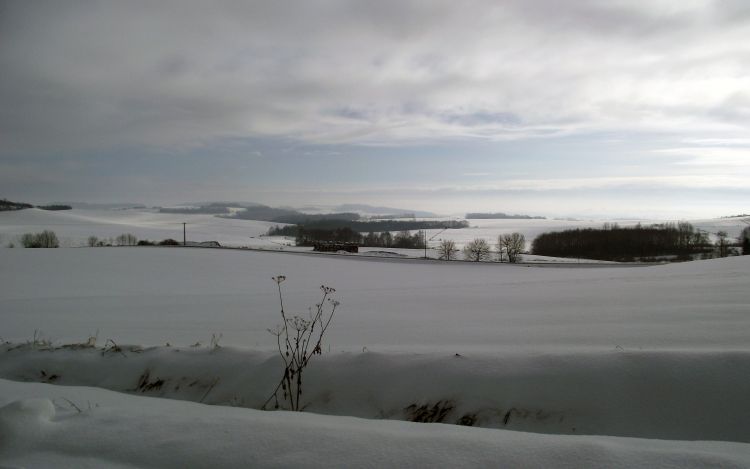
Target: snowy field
{"x": 73, "y": 227}
{"x": 151, "y": 295}
{"x": 554, "y": 366}
{"x": 489, "y": 229}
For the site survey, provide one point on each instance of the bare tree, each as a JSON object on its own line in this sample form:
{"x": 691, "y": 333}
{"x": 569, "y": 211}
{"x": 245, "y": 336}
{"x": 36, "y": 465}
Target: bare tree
{"x": 447, "y": 249}
{"x": 722, "y": 243}
{"x": 45, "y": 239}
{"x": 500, "y": 249}
{"x": 477, "y": 250}
{"x": 92, "y": 241}
{"x": 126, "y": 239}
{"x": 513, "y": 244}
{"x": 48, "y": 239}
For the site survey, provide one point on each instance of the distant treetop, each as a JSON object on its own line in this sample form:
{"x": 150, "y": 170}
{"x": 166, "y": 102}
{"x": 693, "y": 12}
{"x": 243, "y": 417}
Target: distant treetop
{"x": 55, "y": 207}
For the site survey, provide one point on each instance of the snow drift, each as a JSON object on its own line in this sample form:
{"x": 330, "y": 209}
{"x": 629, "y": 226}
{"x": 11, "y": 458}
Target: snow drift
{"x": 40, "y": 428}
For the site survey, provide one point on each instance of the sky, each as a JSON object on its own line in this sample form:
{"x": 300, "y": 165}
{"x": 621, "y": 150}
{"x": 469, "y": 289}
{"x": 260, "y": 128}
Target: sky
{"x": 579, "y": 108}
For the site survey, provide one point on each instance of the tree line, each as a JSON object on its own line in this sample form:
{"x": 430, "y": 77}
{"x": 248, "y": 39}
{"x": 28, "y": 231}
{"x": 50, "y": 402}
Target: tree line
{"x": 403, "y": 239}
{"x": 210, "y": 209}
{"x": 7, "y": 205}
{"x": 378, "y": 233}
{"x": 510, "y": 246}
{"x": 377, "y": 226}
{"x": 288, "y": 215}
{"x": 615, "y": 243}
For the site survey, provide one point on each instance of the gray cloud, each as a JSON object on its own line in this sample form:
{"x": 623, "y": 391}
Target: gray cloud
{"x": 86, "y": 74}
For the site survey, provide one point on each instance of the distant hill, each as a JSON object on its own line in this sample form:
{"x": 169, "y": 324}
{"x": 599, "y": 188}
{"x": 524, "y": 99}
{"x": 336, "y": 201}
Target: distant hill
{"x": 387, "y": 211}
{"x": 215, "y": 208}
{"x": 55, "y": 207}
{"x": 7, "y": 206}
{"x": 290, "y": 216}
{"x": 253, "y": 211}
{"x": 111, "y": 206}
{"x": 225, "y": 203}
{"x": 501, "y": 216}
{"x": 304, "y": 218}
{"x": 287, "y": 214}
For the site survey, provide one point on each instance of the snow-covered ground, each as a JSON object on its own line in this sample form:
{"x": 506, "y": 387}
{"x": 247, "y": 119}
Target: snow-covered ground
{"x": 489, "y": 229}
{"x": 152, "y": 295}
{"x": 73, "y": 227}
{"x": 40, "y": 428}
{"x": 676, "y": 395}
{"x": 601, "y": 365}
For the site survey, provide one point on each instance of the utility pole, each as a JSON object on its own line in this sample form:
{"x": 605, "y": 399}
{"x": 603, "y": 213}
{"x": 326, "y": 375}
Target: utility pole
{"x": 431, "y": 238}
{"x": 184, "y": 236}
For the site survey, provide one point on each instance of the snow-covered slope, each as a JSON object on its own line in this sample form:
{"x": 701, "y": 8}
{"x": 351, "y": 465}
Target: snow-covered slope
{"x": 668, "y": 395}
{"x": 73, "y": 227}
{"x": 41, "y": 428}
{"x": 645, "y": 352}
{"x": 182, "y": 295}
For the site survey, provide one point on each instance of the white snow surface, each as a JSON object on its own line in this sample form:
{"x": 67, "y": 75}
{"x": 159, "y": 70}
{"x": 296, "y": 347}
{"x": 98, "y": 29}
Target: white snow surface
{"x": 155, "y": 295}
{"x": 40, "y": 428}
{"x": 490, "y": 229}
{"x": 73, "y": 227}
{"x": 608, "y": 365}
{"x": 664, "y": 395}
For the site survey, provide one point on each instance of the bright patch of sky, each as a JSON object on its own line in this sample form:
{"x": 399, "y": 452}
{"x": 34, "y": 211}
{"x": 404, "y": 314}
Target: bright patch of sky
{"x": 553, "y": 108}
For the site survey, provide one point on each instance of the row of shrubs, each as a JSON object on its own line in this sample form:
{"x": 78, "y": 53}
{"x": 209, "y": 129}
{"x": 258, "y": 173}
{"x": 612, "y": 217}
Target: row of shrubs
{"x": 402, "y": 239}
{"x": 127, "y": 239}
{"x": 509, "y": 249}
{"x": 685, "y": 237}
{"x": 48, "y": 239}
{"x": 45, "y": 239}
{"x": 639, "y": 242}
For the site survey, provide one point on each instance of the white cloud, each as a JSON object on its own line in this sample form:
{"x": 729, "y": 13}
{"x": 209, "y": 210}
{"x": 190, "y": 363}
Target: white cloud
{"x": 715, "y": 157}
{"x": 95, "y": 75}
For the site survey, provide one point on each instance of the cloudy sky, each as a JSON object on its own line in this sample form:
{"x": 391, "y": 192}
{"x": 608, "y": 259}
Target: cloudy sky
{"x": 578, "y": 108}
